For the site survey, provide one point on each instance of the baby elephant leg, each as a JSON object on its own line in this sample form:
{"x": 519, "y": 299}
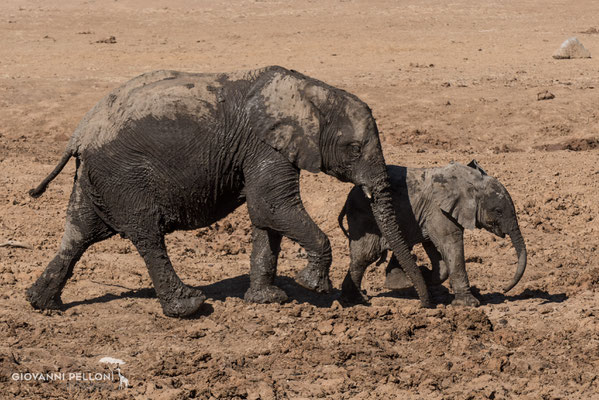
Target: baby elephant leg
{"x": 363, "y": 252}
{"x": 395, "y": 277}
{"x": 350, "y": 289}
{"x": 452, "y": 250}
{"x": 439, "y": 272}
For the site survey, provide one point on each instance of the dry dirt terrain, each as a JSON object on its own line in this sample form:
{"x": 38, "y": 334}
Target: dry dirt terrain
{"x": 447, "y": 81}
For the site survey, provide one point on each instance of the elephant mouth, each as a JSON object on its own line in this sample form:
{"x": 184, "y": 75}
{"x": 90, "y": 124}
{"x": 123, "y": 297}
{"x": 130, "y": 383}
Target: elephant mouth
{"x": 495, "y": 228}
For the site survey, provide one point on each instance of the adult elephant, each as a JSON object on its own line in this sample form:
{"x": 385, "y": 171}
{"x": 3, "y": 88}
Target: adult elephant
{"x": 172, "y": 150}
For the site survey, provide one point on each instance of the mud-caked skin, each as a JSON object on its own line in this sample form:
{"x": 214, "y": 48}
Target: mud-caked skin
{"x": 434, "y": 206}
{"x": 172, "y": 150}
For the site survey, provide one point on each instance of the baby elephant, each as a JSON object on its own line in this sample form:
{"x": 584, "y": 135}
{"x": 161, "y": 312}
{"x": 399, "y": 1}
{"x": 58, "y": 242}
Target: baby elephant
{"x": 433, "y": 206}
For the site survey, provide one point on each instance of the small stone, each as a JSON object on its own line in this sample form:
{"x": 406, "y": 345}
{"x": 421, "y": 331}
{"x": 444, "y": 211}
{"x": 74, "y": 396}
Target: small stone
{"x": 336, "y": 305}
{"x": 109, "y": 40}
{"x": 339, "y": 329}
{"x": 433, "y": 313}
{"x": 325, "y": 327}
{"x": 296, "y": 311}
{"x": 571, "y": 48}
{"x": 545, "y": 95}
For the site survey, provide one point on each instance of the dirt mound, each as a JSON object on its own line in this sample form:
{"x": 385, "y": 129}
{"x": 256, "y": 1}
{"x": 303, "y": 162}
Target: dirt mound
{"x": 590, "y": 280}
{"x": 591, "y": 31}
{"x": 575, "y": 144}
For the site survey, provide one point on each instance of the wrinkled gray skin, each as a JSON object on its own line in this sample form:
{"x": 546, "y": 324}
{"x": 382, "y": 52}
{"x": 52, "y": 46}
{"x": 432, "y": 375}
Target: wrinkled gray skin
{"x": 172, "y": 150}
{"x": 434, "y": 206}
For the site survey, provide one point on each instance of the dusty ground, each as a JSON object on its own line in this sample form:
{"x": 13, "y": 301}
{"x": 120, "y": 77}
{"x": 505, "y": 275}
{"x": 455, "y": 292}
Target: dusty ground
{"x": 446, "y": 81}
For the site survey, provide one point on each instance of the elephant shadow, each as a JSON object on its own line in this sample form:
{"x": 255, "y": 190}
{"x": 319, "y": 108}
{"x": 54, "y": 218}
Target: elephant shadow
{"x": 498, "y": 298}
{"x": 439, "y": 294}
{"x": 231, "y": 287}
{"x": 236, "y": 287}
{"x": 442, "y": 295}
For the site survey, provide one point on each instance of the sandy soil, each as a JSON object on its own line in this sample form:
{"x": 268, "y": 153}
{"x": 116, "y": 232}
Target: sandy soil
{"x": 446, "y": 81}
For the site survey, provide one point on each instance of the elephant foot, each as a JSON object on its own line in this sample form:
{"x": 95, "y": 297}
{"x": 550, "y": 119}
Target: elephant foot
{"x": 265, "y": 294}
{"x": 187, "y": 302}
{"x": 351, "y": 293}
{"x": 354, "y": 298}
{"x": 396, "y": 279}
{"x": 465, "y": 300}
{"x": 314, "y": 279}
{"x": 427, "y": 304}
{"x": 42, "y": 299}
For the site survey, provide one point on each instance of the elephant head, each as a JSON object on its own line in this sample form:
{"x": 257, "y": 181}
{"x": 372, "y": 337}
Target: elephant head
{"x": 477, "y": 200}
{"x": 321, "y": 128}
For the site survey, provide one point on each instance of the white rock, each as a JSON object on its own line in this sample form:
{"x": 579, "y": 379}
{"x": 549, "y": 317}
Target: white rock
{"x": 571, "y": 48}
{"x": 111, "y": 360}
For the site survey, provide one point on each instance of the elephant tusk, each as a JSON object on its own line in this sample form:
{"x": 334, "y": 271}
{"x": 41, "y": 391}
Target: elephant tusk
{"x": 367, "y": 192}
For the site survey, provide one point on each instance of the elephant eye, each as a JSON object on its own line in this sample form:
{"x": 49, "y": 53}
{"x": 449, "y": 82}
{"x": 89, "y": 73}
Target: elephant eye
{"x": 355, "y": 149}
{"x": 498, "y": 211}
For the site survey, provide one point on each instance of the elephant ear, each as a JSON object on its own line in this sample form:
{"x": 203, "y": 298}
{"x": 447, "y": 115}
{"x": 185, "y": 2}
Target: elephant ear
{"x": 284, "y": 115}
{"x": 454, "y": 192}
{"x": 475, "y": 165}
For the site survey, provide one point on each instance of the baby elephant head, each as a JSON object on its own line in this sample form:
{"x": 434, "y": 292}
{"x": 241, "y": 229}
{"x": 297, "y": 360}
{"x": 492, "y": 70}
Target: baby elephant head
{"x": 477, "y": 200}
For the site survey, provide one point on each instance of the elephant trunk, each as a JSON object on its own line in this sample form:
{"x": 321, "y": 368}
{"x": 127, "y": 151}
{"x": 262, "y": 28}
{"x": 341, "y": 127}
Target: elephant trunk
{"x": 520, "y": 247}
{"x": 385, "y": 216}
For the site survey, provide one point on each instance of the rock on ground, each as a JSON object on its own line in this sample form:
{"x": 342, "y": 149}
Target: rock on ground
{"x": 572, "y": 48}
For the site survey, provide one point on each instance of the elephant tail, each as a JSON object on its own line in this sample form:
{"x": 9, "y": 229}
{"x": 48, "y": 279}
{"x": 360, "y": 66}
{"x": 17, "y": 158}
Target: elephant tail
{"x": 342, "y": 215}
{"x": 41, "y": 188}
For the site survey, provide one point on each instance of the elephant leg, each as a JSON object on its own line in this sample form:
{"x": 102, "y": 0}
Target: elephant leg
{"x": 363, "y": 252}
{"x": 439, "y": 272}
{"x": 82, "y": 229}
{"x": 265, "y": 252}
{"x": 176, "y": 298}
{"x": 395, "y": 277}
{"x": 274, "y": 202}
{"x": 315, "y": 276}
{"x": 452, "y": 251}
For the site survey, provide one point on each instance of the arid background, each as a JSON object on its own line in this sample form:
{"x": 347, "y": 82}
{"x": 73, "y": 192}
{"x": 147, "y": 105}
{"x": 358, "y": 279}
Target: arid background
{"x": 446, "y": 81}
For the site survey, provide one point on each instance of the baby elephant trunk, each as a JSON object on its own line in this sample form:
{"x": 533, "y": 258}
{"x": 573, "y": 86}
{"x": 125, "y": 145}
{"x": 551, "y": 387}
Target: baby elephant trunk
{"x": 520, "y": 247}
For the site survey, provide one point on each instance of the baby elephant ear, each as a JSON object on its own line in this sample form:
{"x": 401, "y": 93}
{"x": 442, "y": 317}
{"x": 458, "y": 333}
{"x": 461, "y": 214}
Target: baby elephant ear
{"x": 455, "y": 196}
{"x": 474, "y": 164}
{"x": 285, "y": 118}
